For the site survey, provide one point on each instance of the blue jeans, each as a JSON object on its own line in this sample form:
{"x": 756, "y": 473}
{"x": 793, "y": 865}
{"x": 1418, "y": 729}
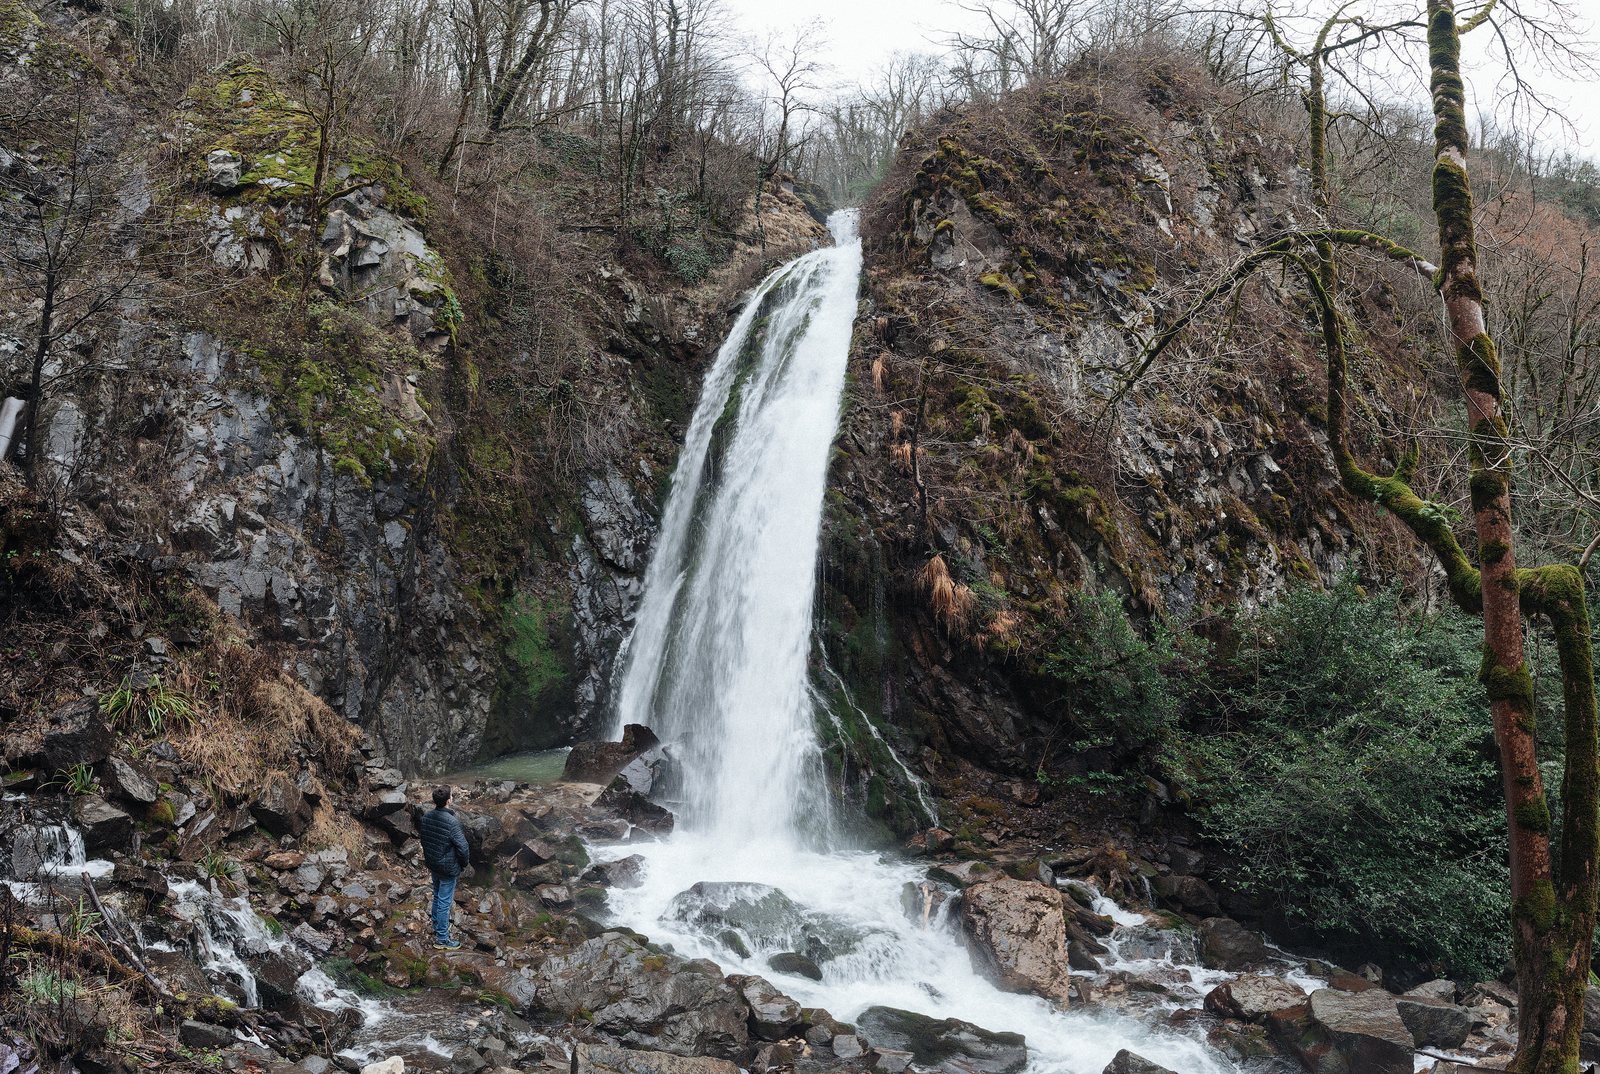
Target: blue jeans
{"x": 444, "y": 893}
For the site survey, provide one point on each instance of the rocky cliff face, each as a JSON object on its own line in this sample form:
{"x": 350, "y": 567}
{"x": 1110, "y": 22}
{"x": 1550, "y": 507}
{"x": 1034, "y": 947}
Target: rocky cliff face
{"x": 312, "y": 458}
{"x": 1016, "y": 260}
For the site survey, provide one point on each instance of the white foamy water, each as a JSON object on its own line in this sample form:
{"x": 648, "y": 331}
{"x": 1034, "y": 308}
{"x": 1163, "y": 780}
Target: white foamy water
{"x": 717, "y": 665}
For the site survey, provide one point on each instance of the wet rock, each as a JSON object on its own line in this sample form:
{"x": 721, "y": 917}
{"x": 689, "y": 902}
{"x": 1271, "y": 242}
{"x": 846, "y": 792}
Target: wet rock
{"x": 938, "y": 841}
{"x": 796, "y": 963}
{"x": 763, "y": 915}
{"x": 1016, "y": 934}
{"x": 103, "y": 825}
{"x": 533, "y": 879}
{"x": 319, "y": 943}
{"x": 519, "y": 990}
{"x": 848, "y": 1046}
{"x": 466, "y": 1060}
{"x": 773, "y": 1015}
{"x": 1434, "y": 1022}
{"x": 603, "y": 1059}
{"x": 1188, "y": 893}
{"x": 121, "y": 779}
{"x": 1079, "y": 958}
{"x": 921, "y": 901}
{"x": 484, "y": 834}
{"x": 1365, "y": 1030}
{"x": 637, "y": 810}
{"x": 384, "y": 803}
{"x": 77, "y": 734}
{"x": 600, "y": 762}
{"x": 1127, "y": 1062}
{"x": 963, "y": 874}
{"x": 944, "y": 1044}
{"x": 1227, "y": 945}
{"x": 1096, "y": 924}
{"x": 1253, "y": 997}
{"x": 280, "y": 808}
{"x": 276, "y": 973}
{"x": 1445, "y": 991}
{"x": 888, "y": 1060}
{"x": 148, "y": 882}
{"x": 555, "y": 896}
{"x": 532, "y": 852}
{"x": 645, "y": 1000}
{"x": 194, "y": 1034}
{"x": 177, "y": 972}
{"x": 623, "y": 873}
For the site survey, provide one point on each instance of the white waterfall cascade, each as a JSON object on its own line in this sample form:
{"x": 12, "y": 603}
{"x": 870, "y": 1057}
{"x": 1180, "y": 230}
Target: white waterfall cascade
{"x": 717, "y": 665}
{"x": 717, "y": 661}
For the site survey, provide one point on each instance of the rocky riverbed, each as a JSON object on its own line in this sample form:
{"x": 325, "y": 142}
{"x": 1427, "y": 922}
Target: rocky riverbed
{"x": 153, "y": 924}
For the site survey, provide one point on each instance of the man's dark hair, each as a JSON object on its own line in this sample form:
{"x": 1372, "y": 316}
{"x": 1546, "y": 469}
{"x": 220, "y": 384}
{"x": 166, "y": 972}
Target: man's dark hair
{"x": 441, "y": 795}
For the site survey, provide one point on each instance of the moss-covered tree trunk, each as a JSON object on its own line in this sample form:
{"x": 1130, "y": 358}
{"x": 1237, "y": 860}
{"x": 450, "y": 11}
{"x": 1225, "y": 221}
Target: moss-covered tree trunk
{"x": 1552, "y": 914}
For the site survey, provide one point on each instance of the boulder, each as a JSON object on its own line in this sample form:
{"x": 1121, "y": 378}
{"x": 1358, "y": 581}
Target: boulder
{"x": 645, "y": 1000}
{"x": 392, "y": 1065}
{"x": 223, "y": 170}
{"x": 148, "y": 882}
{"x": 1079, "y": 958}
{"x": 1227, "y": 945}
{"x": 847, "y": 1046}
{"x": 888, "y": 1060}
{"x": 963, "y": 874}
{"x": 1188, "y": 893}
{"x": 277, "y": 972}
{"x": 764, "y": 915}
{"x": 1364, "y": 1030}
{"x": 944, "y": 1044}
{"x": 385, "y": 802}
{"x": 318, "y": 943}
{"x": 103, "y": 824}
{"x": 773, "y": 1015}
{"x": 519, "y": 990}
{"x": 1253, "y": 997}
{"x": 1434, "y": 1022}
{"x": 280, "y": 808}
{"x": 1445, "y": 991}
{"x": 603, "y": 1059}
{"x": 77, "y": 734}
{"x": 600, "y": 762}
{"x": 194, "y": 1034}
{"x": 1126, "y": 1062}
{"x": 1017, "y": 936}
{"x": 484, "y": 834}
{"x": 122, "y": 779}
{"x": 623, "y": 873}
{"x": 796, "y": 963}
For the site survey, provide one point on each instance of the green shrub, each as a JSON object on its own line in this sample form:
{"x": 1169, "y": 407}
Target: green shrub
{"x": 1348, "y": 768}
{"x": 1112, "y": 681}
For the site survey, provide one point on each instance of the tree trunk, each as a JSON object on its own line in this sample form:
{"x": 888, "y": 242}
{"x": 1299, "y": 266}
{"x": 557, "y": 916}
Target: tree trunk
{"x": 508, "y": 90}
{"x": 1551, "y": 927}
{"x": 36, "y": 383}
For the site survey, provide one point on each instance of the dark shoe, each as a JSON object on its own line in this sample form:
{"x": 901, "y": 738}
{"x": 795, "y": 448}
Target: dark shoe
{"x": 448, "y": 945}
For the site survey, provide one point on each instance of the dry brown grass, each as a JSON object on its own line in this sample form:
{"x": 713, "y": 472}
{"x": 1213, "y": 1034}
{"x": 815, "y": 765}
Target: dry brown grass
{"x": 334, "y": 828}
{"x": 877, "y": 374}
{"x": 901, "y": 453}
{"x": 952, "y": 602}
{"x": 254, "y": 716}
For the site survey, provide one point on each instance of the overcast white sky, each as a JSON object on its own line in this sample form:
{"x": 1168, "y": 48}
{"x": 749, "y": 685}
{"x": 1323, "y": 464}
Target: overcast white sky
{"x": 862, "y": 33}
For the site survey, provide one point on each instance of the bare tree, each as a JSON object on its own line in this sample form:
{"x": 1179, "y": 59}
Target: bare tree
{"x": 61, "y": 242}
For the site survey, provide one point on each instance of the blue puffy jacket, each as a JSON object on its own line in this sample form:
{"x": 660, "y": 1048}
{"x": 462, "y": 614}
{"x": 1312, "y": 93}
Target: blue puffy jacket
{"x": 444, "y": 844}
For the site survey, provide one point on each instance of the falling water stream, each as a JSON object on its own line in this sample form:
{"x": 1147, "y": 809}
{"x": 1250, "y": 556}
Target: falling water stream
{"x": 717, "y": 665}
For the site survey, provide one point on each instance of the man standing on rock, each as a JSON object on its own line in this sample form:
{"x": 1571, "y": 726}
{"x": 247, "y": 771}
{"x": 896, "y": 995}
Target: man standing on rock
{"x": 444, "y": 848}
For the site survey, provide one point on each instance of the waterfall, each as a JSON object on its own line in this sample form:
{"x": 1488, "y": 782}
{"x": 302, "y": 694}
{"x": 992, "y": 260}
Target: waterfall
{"x": 717, "y": 662}
{"x": 718, "y": 667}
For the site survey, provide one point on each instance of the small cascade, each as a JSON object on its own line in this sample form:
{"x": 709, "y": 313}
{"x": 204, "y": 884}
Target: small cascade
{"x": 228, "y": 932}
{"x": 61, "y": 853}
